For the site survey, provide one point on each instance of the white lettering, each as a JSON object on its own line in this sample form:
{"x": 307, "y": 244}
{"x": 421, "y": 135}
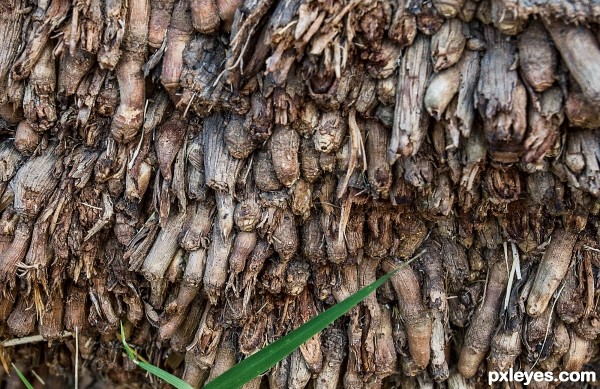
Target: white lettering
{"x": 527, "y": 377}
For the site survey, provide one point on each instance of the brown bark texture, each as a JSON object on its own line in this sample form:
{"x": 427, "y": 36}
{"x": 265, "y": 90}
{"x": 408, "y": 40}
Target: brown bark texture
{"x": 215, "y": 173}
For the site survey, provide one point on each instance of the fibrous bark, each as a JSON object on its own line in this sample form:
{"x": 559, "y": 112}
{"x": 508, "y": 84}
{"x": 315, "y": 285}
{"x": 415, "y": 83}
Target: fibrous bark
{"x": 215, "y": 173}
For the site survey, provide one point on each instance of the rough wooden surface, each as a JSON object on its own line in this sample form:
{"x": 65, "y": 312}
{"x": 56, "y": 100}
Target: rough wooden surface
{"x": 214, "y": 173}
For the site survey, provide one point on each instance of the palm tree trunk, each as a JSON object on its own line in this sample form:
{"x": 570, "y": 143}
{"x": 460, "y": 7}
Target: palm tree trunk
{"x": 214, "y": 173}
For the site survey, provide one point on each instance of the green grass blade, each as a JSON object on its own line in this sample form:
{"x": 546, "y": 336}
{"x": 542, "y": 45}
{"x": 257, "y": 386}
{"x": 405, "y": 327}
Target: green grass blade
{"x": 165, "y": 376}
{"x": 160, "y": 373}
{"x": 22, "y": 377}
{"x": 263, "y": 360}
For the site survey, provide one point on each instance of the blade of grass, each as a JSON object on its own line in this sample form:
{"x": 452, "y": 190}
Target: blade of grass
{"x": 22, "y": 377}
{"x": 160, "y": 373}
{"x": 76, "y": 357}
{"x": 263, "y": 360}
